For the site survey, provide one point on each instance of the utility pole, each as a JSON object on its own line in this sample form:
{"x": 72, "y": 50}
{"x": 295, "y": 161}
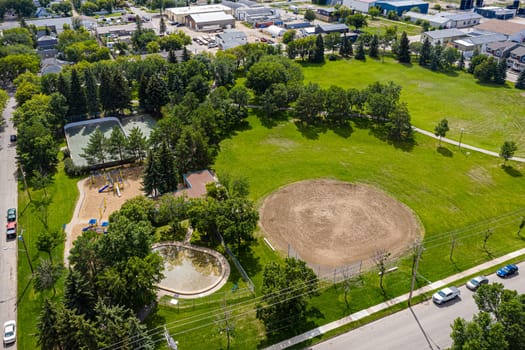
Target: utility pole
{"x": 21, "y": 238}
{"x": 25, "y": 181}
{"x": 418, "y": 251}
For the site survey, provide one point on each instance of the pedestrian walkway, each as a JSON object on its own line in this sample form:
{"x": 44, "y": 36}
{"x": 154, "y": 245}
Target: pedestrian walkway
{"x": 472, "y": 148}
{"x": 403, "y": 298}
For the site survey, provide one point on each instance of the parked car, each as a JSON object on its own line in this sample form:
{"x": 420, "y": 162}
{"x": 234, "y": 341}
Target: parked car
{"x": 9, "y": 332}
{"x": 11, "y": 230}
{"x": 12, "y": 138}
{"x": 474, "y": 283}
{"x": 446, "y": 294}
{"x": 263, "y": 40}
{"x": 507, "y": 271}
{"x": 11, "y": 214}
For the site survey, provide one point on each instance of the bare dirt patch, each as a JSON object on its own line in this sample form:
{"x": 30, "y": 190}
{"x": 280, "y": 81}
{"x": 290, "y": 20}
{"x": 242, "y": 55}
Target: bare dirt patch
{"x": 333, "y": 223}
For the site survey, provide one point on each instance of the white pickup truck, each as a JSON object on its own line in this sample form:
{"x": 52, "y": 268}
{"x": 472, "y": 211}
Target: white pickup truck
{"x": 446, "y": 294}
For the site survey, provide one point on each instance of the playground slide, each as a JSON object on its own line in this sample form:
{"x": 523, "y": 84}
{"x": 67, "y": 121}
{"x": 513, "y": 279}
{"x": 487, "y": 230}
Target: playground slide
{"x": 100, "y": 190}
{"x": 118, "y": 189}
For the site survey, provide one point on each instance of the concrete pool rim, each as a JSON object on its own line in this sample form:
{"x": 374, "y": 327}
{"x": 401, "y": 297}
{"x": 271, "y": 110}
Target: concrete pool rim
{"x": 218, "y": 284}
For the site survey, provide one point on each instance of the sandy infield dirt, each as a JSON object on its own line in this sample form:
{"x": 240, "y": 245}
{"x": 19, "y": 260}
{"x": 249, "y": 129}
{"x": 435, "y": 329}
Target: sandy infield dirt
{"x": 334, "y": 223}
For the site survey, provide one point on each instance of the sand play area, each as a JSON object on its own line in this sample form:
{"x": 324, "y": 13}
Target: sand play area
{"x": 94, "y": 205}
{"x": 333, "y": 223}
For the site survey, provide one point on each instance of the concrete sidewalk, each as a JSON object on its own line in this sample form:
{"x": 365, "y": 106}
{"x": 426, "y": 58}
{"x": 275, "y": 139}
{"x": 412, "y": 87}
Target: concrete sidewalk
{"x": 465, "y": 146}
{"x": 403, "y": 298}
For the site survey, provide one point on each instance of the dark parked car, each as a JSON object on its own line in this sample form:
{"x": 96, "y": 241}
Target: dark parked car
{"x": 507, "y": 271}
{"x": 12, "y": 138}
{"x": 11, "y": 214}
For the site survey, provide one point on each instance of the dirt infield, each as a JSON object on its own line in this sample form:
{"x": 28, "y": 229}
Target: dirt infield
{"x": 334, "y": 223}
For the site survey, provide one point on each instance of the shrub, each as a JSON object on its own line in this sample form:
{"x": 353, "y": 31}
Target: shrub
{"x": 72, "y": 170}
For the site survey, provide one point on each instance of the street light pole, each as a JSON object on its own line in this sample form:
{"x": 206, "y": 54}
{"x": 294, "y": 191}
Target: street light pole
{"x": 460, "y": 137}
{"x": 21, "y": 238}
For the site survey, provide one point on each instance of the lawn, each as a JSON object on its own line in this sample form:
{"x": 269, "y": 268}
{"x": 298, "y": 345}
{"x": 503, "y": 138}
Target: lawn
{"x": 52, "y": 212}
{"x": 488, "y": 114}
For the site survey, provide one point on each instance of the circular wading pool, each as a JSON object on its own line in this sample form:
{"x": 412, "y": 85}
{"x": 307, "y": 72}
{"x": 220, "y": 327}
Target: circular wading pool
{"x": 191, "y": 271}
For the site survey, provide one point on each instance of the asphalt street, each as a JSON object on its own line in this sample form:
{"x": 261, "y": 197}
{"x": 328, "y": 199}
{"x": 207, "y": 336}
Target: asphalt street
{"x": 424, "y": 326}
{"x": 8, "y": 199}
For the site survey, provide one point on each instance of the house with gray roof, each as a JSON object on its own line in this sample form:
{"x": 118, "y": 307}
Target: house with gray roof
{"x": 516, "y": 61}
{"x": 500, "y": 49}
{"x": 443, "y": 36}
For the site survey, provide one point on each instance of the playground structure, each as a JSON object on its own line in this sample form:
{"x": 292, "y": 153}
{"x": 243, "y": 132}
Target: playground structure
{"x": 94, "y": 226}
{"x": 114, "y": 181}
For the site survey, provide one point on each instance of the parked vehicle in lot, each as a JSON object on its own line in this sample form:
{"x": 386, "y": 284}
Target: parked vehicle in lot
{"x": 446, "y": 294}
{"x": 474, "y": 283}
{"x": 11, "y": 230}
{"x": 11, "y": 214}
{"x": 507, "y": 271}
{"x": 9, "y": 332}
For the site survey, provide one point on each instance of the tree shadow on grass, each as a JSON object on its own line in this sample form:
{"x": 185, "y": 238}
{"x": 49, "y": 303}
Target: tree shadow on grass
{"x": 510, "y": 170}
{"x": 445, "y": 152}
{"x": 311, "y": 132}
{"x": 381, "y": 132}
{"x": 270, "y": 122}
{"x": 345, "y": 130}
{"x": 249, "y": 261}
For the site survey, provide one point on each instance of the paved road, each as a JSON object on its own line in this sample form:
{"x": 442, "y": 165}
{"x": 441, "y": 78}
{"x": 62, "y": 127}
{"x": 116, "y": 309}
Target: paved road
{"x": 8, "y": 199}
{"x": 425, "y": 326}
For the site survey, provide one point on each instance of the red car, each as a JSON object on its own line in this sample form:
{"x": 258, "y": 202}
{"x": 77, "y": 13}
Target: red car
{"x": 11, "y": 230}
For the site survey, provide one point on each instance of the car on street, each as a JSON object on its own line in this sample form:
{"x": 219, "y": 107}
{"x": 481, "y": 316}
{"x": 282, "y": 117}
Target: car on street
{"x": 507, "y": 271}
{"x": 11, "y": 230}
{"x": 445, "y": 294}
{"x": 474, "y": 283}
{"x": 9, "y": 332}
{"x": 11, "y": 214}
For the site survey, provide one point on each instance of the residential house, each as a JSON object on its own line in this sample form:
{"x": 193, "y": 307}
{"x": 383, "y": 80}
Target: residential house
{"x": 443, "y": 36}
{"x": 500, "y": 49}
{"x": 516, "y": 61}
{"x": 46, "y": 42}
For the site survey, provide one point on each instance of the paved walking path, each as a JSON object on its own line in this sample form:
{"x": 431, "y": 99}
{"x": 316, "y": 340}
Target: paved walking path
{"x": 472, "y": 148}
{"x": 403, "y": 298}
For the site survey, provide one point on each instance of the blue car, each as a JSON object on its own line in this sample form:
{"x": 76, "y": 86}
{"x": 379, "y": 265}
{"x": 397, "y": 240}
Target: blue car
{"x": 507, "y": 271}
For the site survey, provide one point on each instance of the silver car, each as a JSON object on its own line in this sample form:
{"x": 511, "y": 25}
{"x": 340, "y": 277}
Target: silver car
{"x": 474, "y": 283}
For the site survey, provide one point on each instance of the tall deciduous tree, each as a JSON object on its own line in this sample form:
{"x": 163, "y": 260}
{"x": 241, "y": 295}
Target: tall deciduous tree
{"x": 286, "y": 290}
{"x": 191, "y": 151}
{"x": 46, "y": 275}
{"x": 310, "y": 103}
{"x": 441, "y": 129}
{"x": 507, "y": 150}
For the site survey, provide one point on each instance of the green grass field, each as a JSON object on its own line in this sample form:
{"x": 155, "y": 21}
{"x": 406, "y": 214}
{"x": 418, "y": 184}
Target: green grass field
{"x": 33, "y": 217}
{"x": 489, "y": 114}
{"x": 378, "y": 25}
